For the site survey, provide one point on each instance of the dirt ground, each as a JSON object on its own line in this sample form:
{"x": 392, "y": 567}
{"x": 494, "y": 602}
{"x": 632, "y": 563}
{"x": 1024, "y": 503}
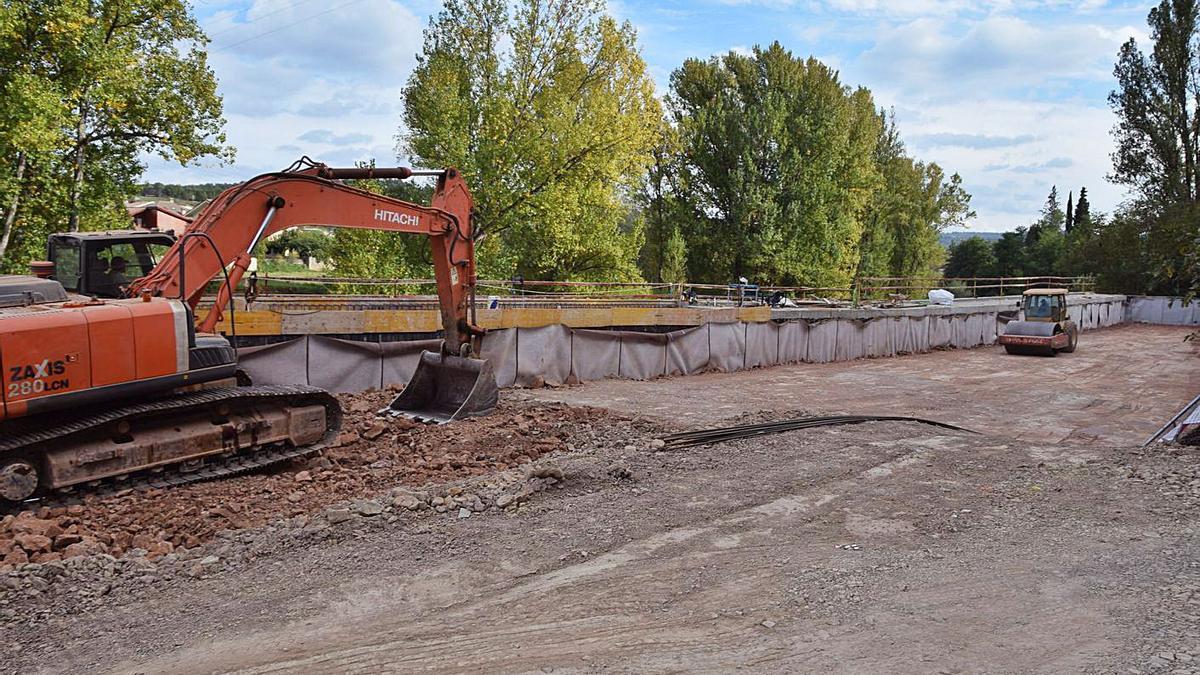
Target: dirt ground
{"x": 1050, "y": 543}
{"x": 371, "y": 456}
{"x": 1120, "y": 385}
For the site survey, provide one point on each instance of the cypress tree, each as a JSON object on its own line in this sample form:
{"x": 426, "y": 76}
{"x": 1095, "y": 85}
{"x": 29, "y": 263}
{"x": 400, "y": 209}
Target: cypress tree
{"x": 1083, "y": 210}
{"x": 1071, "y": 211}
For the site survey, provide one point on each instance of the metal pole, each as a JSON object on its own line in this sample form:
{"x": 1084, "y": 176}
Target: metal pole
{"x": 273, "y": 205}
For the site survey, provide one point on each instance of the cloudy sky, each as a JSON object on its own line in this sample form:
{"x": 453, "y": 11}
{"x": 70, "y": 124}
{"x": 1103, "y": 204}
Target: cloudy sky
{"x": 1009, "y": 93}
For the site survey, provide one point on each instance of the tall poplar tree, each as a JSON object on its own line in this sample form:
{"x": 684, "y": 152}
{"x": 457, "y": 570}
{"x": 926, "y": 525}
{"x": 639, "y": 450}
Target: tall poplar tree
{"x": 547, "y": 108}
{"x": 776, "y": 167}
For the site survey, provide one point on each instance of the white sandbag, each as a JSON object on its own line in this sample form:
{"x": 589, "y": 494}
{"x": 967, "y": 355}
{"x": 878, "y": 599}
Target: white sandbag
{"x": 940, "y": 296}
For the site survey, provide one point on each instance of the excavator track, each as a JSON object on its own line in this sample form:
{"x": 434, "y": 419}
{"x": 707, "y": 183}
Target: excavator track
{"x": 32, "y": 444}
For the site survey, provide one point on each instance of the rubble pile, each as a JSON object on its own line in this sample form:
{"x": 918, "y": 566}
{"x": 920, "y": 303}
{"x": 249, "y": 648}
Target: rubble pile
{"x": 372, "y": 456}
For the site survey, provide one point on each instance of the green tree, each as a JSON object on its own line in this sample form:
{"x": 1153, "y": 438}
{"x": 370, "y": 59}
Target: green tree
{"x": 1157, "y": 102}
{"x": 664, "y": 253}
{"x": 104, "y": 82}
{"x": 930, "y": 203}
{"x": 970, "y": 258}
{"x": 1043, "y": 255}
{"x": 308, "y": 245}
{"x": 777, "y": 167}
{"x": 547, "y": 108}
{"x": 878, "y": 241}
{"x": 1083, "y": 210}
{"x": 1051, "y": 219}
{"x": 1115, "y": 254}
{"x": 1009, "y": 250}
{"x": 1070, "y": 212}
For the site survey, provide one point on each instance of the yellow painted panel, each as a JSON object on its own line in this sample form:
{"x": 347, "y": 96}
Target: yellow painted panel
{"x": 491, "y": 318}
{"x": 760, "y": 313}
{"x": 317, "y": 319}
{"x": 534, "y": 317}
{"x": 587, "y": 317}
{"x": 401, "y": 321}
{"x": 310, "y": 322}
{"x": 253, "y": 323}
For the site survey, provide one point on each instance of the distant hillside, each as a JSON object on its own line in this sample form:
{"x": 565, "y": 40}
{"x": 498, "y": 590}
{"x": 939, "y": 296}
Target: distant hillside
{"x": 187, "y": 193}
{"x": 947, "y": 238}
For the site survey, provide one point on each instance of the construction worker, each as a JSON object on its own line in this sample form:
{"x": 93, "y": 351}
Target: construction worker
{"x": 116, "y": 272}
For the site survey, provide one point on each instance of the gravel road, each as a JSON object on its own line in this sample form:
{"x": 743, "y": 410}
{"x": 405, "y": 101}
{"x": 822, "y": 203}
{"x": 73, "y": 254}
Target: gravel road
{"x": 880, "y": 547}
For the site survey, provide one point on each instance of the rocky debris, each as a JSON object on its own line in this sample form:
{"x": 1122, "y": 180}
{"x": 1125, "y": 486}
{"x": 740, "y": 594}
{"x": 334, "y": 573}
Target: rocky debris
{"x": 407, "y": 502}
{"x": 378, "y": 468}
{"x": 335, "y": 516}
{"x": 367, "y": 507}
{"x": 551, "y": 471}
{"x": 619, "y": 471}
{"x": 374, "y": 430}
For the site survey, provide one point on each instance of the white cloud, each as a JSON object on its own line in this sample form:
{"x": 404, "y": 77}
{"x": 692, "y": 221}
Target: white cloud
{"x": 286, "y": 69}
{"x": 1065, "y": 144}
{"x": 950, "y": 59}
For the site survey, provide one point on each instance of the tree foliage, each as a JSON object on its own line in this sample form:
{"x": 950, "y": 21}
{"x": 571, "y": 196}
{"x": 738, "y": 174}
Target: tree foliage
{"x": 547, "y": 108}
{"x": 775, "y": 167}
{"x": 1157, "y": 102}
{"x": 88, "y": 87}
{"x": 193, "y": 193}
{"x": 1083, "y": 210}
{"x": 783, "y": 174}
{"x": 970, "y": 258}
{"x": 664, "y": 252}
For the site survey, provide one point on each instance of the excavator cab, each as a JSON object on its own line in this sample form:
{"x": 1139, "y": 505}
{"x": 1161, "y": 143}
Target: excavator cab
{"x": 103, "y": 264}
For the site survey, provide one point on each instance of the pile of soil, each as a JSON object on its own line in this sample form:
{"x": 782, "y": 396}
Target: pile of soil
{"x": 372, "y": 455}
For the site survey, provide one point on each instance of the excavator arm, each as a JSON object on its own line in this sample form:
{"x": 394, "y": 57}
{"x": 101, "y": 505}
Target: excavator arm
{"x": 225, "y": 233}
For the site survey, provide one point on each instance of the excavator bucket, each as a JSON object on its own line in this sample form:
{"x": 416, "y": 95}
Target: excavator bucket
{"x": 446, "y": 388}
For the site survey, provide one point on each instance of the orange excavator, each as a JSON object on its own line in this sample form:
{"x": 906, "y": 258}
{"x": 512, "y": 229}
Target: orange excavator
{"x": 110, "y": 378}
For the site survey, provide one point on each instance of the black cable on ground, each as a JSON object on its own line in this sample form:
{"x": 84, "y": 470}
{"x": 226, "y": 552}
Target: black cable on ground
{"x": 708, "y": 436}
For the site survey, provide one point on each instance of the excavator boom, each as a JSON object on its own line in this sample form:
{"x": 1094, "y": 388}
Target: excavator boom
{"x": 447, "y": 385}
{"x": 229, "y": 228}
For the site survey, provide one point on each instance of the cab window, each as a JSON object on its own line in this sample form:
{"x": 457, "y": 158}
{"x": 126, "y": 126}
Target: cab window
{"x": 66, "y": 264}
{"x": 112, "y": 268}
{"x": 1041, "y": 306}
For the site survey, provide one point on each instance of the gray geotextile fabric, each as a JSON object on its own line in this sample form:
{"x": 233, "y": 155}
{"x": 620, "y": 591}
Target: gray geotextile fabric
{"x": 1163, "y": 310}
{"x": 558, "y": 354}
{"x": 343, "y": 366}
{"x": 727, "y": 346}
{"x": 762, "y": 344}
{"x": 280, "y": 363}
{"x": 822, "y": 340}
{"x": 849, "y": 344}
{"x": 793, "y": 341}
{"x": 400, "y": 359}
{"x": 595, "y": 355}
{"x": 500, "y": 347}
{"x": 643, "y": 355}
{"x": 688, "y": 351}
{"x": 543, "y": 355}
{"x": 941, "y": 331}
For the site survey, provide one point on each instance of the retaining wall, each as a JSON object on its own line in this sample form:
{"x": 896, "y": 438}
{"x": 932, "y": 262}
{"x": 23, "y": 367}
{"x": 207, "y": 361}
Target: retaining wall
{"x": 1164, "y": 311}
{"x": 557, "y": 354}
